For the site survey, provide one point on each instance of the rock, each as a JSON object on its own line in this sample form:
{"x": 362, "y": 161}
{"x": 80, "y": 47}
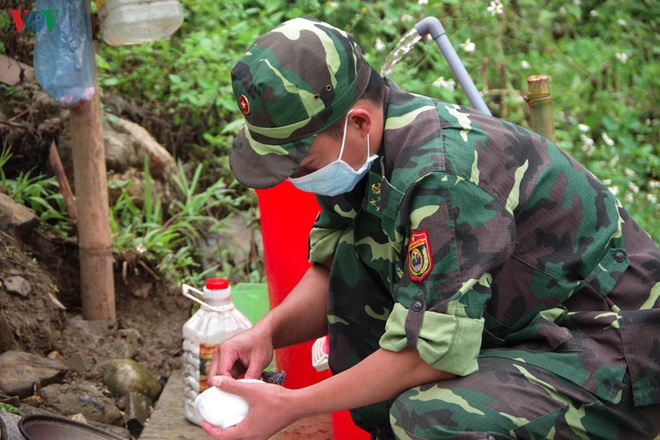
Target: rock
{"x": 9, "y": 426}
{"x": 237, "y": 235}
{"x": 138, "y": 408}
{"x": 81, "y": 398}
{"x": 20, "y": 372}
{"x": 14, "y": 214}
{"x": 123, "y": 376}
{"x": 18, "y": 285}
{"x": 127, "y": 144}
{"x": 7, "y": 340}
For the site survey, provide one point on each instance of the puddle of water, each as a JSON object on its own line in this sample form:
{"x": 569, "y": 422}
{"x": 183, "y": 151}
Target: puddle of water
{"x": 403, "y": 47}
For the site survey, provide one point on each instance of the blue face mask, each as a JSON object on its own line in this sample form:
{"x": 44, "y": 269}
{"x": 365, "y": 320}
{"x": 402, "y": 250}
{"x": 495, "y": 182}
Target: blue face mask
{"x": 337, "y": 177}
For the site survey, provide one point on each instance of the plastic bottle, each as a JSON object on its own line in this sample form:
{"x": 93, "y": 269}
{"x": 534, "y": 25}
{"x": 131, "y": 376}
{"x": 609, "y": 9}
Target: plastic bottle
{"x": 215, "y": 321}
{"x": 64, "y": 54}
{"x": 139, "y": 21}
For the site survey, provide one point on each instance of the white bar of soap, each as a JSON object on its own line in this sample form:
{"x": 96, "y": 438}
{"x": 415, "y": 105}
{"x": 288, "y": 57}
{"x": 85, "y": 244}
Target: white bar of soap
{"x": 220, "y": 408}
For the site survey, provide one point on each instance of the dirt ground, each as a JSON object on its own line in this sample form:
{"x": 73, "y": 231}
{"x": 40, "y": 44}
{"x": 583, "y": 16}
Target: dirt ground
{"x": 148, "y": 327}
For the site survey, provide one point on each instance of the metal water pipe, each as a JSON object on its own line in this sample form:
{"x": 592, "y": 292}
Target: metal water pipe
{"x": 433, "y": 27}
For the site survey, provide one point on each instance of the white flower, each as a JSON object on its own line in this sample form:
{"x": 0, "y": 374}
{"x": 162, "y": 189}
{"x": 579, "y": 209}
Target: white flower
{"x": 141, "y": 249}
{"x": 607, "y": 140}
{"x": 629, "y": 172}
{"x": 632, "y": 187}
{"x": 622, "y": 56}
{"x": 652, "y": 198}
{"x": 607, "y": 182}
{"x": 622, "y": 22}
{"x": 332, "y": 4}
{"x": 468, "y": 46}
{"x": 628, "y": 197}
{"x": 654, "y": 183}
{"x": 593, "y": 13}
{"x": 423, "y": 2}
{"x": 525, "y": 65}
{"x": 587, "y": 142}
{"x": 584, "y": 128}
{"x": 614, "y": 190}
{"x": 495, "y": 8}
{"x": 562, "y": 10}
{"x": 577, "y": 2}
{"x": 448, "y": 84}
{"x": 380, "y": 46}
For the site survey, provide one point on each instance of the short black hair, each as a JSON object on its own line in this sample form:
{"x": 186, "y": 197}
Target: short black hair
{"x": 374, "y": 93}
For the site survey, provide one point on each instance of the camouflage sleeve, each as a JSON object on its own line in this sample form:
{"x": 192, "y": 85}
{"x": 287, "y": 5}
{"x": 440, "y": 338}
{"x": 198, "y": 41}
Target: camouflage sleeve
{"x": 457, "y": 234}
{"x": 327, "y": 230}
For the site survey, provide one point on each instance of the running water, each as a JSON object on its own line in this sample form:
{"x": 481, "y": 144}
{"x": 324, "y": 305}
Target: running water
{"x": 403, "y": 47}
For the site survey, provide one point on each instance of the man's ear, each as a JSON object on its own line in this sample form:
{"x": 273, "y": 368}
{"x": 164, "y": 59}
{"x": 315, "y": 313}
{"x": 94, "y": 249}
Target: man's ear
{"x": 362, "y": 120}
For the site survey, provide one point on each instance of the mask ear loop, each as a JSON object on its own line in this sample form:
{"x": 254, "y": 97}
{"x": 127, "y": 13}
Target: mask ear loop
{"x": 343, "y": 137}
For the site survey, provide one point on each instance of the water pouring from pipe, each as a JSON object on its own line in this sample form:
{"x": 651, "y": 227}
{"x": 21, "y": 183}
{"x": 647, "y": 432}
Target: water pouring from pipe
{"x": 432, "y": 26}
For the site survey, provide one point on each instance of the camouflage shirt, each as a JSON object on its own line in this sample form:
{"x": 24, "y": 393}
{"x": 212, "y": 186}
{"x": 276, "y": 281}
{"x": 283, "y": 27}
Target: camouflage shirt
{"x": 494, "y": 242}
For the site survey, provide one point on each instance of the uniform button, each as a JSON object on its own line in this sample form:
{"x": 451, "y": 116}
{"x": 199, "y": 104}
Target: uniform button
{"x": 417, "y": 306}
{"x": 619, "y": 256}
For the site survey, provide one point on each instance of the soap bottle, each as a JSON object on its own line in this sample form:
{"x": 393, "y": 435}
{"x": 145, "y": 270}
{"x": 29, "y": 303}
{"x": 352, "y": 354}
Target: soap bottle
{"x": 214, "y": 322}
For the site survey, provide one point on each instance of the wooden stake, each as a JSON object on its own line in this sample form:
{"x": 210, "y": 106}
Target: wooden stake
{"x": 94, "y": 240}
{"x": 540, "y": 106}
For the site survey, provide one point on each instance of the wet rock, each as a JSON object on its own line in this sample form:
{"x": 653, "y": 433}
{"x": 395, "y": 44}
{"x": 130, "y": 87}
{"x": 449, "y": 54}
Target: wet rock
{"x": 81, "y": 398}
{"x": 21, "y": 372}
{"x": 123, "y": 376}
{"x": 137, "y": 410}
{"x": 17, "y": 285}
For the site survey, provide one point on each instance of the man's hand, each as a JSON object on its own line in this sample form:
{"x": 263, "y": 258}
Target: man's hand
{"x": 246, "y": 353}
{"x": 271, "y": 408}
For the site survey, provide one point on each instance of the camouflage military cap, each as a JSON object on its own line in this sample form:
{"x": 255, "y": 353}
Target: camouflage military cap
{"x": 292, "y": 83}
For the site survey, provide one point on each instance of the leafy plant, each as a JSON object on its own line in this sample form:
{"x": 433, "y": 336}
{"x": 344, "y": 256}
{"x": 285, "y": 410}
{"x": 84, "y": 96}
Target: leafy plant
{"x": 5, "y": 407}
{"x": 150, "y": 237}
{"x": 39, "y": 193}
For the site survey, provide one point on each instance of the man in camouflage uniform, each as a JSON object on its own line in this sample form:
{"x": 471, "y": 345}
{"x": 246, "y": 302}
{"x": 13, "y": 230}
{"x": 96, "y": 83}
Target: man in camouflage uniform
{"x": 480, "y": 282}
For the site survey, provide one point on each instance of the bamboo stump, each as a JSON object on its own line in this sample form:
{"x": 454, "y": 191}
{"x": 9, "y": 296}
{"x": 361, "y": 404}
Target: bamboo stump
{"x": 94, "y": 238}
{"x": 540, "y": 105}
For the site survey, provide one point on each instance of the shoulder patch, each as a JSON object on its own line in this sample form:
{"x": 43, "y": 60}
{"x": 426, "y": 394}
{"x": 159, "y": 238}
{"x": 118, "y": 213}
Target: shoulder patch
{"x": 420, "y": 260}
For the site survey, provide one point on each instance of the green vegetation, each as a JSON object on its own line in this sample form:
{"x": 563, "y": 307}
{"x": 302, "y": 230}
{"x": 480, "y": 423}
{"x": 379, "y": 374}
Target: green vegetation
{"x": 146, "y": 235}
{"x": 38, "y": 192}
{"x": 601, "y": 57}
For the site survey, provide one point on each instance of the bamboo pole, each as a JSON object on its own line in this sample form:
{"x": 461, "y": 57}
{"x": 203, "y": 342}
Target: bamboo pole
{"x": 94, "y": 240}
{"x": 540, "y": 106}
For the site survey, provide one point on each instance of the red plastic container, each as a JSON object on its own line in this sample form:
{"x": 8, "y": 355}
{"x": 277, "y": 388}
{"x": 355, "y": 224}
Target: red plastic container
{"x": 287, "y": 215}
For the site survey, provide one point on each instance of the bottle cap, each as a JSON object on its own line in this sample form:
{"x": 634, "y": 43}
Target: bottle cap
{"x": 217, "y": 283}
{"x": 217, "y": 289}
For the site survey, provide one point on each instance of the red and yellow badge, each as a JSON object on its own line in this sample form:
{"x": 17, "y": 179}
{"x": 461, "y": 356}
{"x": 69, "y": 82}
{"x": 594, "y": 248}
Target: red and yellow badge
{"x": 420, "y": 259}
{"x": 244, "y": 104}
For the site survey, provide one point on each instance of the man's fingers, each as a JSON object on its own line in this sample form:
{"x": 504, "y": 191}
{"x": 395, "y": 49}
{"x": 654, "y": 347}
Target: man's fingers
{"x": 211, "y": 430}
